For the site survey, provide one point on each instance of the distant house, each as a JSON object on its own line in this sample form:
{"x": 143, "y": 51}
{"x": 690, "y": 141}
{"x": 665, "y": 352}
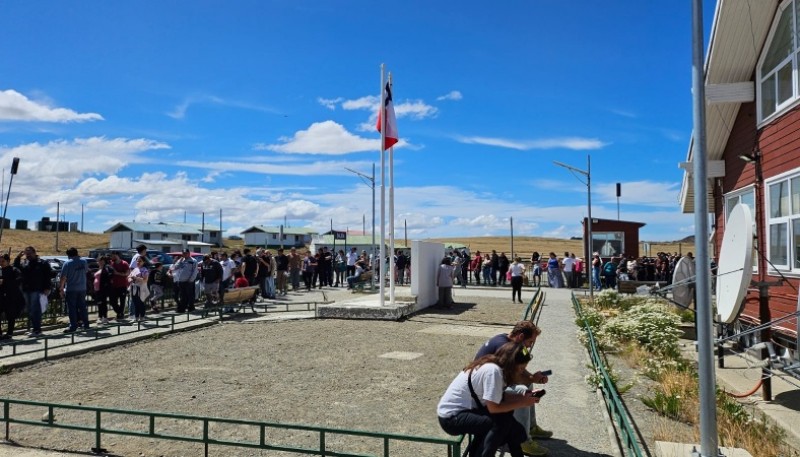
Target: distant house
{"x": 259, "y": 235}
{"x": 360, "y": 242}
{"x": 163, "y": 236}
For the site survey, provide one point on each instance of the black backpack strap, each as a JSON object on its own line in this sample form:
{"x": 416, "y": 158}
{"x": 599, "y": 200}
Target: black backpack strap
{"x": 475, "y": 398}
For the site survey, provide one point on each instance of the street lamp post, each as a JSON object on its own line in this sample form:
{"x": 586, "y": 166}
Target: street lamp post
{"x": 588, "y": 174}
{"x": 370, "y": 181}
{"x": 14, "y": 167}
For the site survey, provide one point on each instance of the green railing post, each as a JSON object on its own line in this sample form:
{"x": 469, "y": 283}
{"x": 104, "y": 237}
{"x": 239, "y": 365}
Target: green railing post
{"x": 322, "y": 442}
{"x": 205, "y": 435}
{"x": 386, "y": 447}
{"x": 98, "y": 427}
{"x": 6, "y": 408}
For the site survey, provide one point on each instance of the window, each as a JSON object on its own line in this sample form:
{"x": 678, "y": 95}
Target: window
{"x": 776, "y": 83}
{"x": 783, "y": 222}
{"x": 608, "y": 244}
{"x": 146, "y": 236}
{"x": 747, "y": 197}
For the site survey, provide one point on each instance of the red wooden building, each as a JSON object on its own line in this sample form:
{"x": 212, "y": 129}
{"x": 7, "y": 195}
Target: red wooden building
{"x": 612, "y": 238}
{"x": 752, "y": 78}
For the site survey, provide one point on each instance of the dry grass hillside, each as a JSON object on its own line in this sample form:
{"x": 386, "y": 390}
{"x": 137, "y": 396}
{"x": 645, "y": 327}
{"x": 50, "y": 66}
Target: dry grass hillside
{"x": 45, "y": 243}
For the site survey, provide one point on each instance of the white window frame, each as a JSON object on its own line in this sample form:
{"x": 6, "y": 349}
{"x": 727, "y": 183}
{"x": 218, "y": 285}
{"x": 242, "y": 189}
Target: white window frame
{"x": 794, "y": 99}
{"x": 737, "y": 195}
{"x": 791, "y": 246}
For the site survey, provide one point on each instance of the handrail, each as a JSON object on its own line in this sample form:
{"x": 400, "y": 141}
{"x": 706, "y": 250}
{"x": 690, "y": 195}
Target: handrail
{"x": 166, "y": 319}
{"x": 94, "y": 334}
{"x": 527, "y": 313}
{"x": 613, "y": 402}
{"x": 204, "y": 436}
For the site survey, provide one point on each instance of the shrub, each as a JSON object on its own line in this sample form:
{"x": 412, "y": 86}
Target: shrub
{"x": 668, "y": 405}
{"x": 651, "y": 324}
{"x": 607, "y": 299}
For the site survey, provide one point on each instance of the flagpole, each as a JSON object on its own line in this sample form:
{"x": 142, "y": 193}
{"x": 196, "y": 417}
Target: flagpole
{"x": 391, "y": 219}
{"x": 382, "y": 254}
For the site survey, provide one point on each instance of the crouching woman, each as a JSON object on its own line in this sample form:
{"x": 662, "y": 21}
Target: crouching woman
{"x": 475, "y": 402}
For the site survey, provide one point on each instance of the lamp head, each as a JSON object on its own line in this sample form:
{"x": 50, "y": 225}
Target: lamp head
{"x": 755, "y": 156}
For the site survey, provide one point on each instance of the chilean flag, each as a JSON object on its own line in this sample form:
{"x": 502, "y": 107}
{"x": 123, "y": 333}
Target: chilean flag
{"x": 391, "y": 136}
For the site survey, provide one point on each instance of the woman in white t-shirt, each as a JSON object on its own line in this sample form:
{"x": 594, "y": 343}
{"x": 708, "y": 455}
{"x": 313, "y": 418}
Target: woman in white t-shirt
{"x": 484, "y": 409}
{"x": 517, "y": 269}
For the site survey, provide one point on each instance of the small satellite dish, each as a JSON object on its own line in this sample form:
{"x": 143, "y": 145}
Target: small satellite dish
{"x": 735, "y": 263}
{"x": 683, "y": 278}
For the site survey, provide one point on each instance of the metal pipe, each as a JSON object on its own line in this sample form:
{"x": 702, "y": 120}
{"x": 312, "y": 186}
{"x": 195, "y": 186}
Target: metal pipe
{"x": 709, "y": 442}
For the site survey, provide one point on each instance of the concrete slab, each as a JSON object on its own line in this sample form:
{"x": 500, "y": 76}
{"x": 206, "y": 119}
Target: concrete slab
{"x": 367, "y": 307}
{"x": 666, "y": 449}
{"x": 400, "y": 355}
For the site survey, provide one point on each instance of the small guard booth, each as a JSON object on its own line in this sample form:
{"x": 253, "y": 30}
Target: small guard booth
{"x": 612, "y": 238}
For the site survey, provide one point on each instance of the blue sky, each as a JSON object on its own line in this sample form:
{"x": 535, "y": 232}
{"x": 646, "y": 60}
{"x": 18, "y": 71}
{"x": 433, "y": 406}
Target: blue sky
{"x": 150, "y": 110}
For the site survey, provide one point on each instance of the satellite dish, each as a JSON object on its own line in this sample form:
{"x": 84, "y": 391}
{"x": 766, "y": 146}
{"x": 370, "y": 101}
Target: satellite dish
{"x": 735, "y": 263}
{"x": 683, "y": 278}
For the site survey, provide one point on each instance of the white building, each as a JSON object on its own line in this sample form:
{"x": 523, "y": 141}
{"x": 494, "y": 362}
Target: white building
{"x": 259, "y": 235}
{"x": 164, "y": 237}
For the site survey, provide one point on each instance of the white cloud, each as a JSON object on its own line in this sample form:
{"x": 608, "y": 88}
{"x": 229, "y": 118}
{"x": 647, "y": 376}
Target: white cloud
{"x": 370, "y": 102}
{"x": 317, "y": 168}
{"x": 453, "y": 95}
{"x": 325, "y": 137}
{"x": 329, "y": 103}
{"x": 573, "y": 143}
{"x": 17, "y": 107}
{"x": 624, "y": 113}
{"x": 179, "y": 112}
{"x": 62, "y": 162}
{"x": 416, "y": 110}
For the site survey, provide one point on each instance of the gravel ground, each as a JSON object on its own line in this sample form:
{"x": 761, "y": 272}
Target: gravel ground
{"x": 327, "y": 373}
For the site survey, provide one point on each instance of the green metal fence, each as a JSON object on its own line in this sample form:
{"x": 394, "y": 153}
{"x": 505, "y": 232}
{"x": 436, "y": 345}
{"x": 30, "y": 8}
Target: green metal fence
{"x": 626, "y": 432}
{"x": 49, "y": 341}
{"x": 271, "y": 435}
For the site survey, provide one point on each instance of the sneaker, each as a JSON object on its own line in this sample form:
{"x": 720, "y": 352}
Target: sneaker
{"x": 33, "y": 334}
{"x": 104, "y": 321}
{"x": 533, "y": 448}
{"x": 68, "y": 330}
{"x": 539, "y": 432}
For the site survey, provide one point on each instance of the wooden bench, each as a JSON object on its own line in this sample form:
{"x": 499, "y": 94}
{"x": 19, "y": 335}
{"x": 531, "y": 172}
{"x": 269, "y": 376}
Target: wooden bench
{"x": 364, "y": 280}
{"x": 629, "y": 287}
{"x": 238, "y": 298}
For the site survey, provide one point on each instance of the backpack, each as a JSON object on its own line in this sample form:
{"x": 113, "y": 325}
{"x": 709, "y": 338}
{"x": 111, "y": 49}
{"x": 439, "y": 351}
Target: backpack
{"x": 609, "y": 269}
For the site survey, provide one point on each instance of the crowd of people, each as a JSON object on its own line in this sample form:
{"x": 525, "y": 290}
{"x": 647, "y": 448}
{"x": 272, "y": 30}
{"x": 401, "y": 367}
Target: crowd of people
{"x": 131, "y": 288}
{"x": 606, "y": 274}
